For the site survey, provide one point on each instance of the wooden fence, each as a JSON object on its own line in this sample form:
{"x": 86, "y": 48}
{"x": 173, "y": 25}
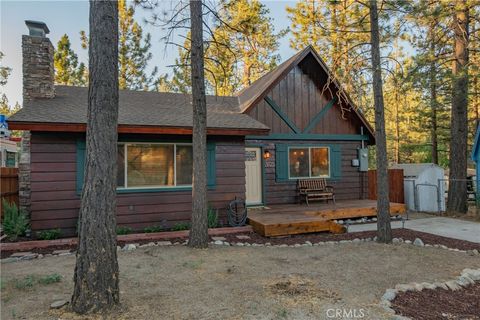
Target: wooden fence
{"x": 395, "y": 184}
{"x": 8, "y": 185}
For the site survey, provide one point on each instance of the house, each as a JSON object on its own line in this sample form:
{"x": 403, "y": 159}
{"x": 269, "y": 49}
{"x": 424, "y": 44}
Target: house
{"x": 294, "y": 122}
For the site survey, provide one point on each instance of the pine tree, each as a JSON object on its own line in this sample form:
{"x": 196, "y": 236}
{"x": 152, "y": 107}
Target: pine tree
{"x": 96, "y": 277}
{"x": 241, "y": 48}
{"x": 67, "y": 69}
{"x": 5, "y": 107}
{"x": 134, "y": 51}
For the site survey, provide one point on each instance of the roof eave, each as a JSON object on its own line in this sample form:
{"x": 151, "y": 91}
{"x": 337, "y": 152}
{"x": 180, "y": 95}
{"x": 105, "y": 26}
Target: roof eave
{"x": 123, "y": 128}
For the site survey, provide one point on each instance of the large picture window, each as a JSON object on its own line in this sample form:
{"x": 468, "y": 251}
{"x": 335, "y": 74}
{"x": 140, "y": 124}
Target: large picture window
{"x": 151, "y": 165}
{"x": 309, "y": 162}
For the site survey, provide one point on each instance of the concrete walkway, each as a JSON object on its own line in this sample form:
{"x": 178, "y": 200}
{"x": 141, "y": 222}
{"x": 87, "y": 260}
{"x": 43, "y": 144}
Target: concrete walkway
{"x": 446, "y": 227}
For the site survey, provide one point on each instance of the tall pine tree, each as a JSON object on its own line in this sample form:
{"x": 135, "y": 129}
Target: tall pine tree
{"x": 67, "y": 69}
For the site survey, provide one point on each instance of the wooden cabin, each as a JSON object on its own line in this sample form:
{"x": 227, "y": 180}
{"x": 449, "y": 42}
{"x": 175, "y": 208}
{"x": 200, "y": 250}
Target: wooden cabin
{"x": 287, "y": 125}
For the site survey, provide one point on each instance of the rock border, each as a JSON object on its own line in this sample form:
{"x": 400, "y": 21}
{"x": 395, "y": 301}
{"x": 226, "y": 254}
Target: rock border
{"x": 221, "y": 241}
{"x": 466, "y": 278}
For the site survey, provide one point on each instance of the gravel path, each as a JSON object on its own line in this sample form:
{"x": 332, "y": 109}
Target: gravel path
{"x": 241, "y": 282}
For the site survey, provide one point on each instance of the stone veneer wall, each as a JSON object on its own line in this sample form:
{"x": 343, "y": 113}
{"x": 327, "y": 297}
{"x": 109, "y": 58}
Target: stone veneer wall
{"x": 38, "y": 82}
{"x": 38, "y": 69}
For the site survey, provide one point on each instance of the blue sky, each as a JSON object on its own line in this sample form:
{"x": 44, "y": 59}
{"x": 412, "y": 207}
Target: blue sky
{"x": 72, "y": 16}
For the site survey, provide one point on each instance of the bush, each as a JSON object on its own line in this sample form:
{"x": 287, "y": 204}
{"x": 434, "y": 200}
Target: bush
{"x": 153, "y": 229}
{"x": 15, "y": 222}
{"x": 181, "y": 226}
{"x": 51, "y": 234}
{"x": 124, "y": 230}
{"x": 51, "y": 278}
{"x": 212, "y": 218}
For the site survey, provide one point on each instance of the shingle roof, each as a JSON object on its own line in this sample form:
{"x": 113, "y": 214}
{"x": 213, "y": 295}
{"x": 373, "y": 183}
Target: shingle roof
{"x": 137, "y": 108}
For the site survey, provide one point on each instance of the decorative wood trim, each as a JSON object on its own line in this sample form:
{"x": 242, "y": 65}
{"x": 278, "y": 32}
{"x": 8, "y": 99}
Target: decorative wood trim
{"x": 311, "y": 136}
{"x": 282, "y": 115}
{"x": 82, "y": 127}
{"x": 320, "y": 115}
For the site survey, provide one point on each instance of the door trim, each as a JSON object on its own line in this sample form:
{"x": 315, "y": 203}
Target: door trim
{"x": 262, "y": 169}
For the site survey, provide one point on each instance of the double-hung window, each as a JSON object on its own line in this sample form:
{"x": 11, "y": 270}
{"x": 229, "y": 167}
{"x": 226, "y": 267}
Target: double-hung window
{"x": 309, "y": 162}
{"x": 154, "y": 165}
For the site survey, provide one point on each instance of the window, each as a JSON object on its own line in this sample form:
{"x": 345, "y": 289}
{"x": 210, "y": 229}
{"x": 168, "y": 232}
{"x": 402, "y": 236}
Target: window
{"x": 309, "y": 162}
{"x": 153, "y": 165}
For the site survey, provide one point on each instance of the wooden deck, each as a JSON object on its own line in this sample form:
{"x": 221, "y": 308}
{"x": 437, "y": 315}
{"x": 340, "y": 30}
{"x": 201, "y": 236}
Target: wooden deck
{"x": 279, "y": 220}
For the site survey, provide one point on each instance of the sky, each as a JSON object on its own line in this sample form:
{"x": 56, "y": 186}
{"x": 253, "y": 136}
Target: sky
{"x": 71, "y": 16}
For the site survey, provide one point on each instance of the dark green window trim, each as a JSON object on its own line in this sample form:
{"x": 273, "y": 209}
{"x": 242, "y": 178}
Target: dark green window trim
{"x": 282, "y": 115}
{"x": 319, "y": 115}
{"x": 311, "y": 136}
{"x": 211, "y": 171}
{"x": 282, "y": 169}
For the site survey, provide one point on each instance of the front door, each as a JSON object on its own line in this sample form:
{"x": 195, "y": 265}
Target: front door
{"x": 253, "y": 176}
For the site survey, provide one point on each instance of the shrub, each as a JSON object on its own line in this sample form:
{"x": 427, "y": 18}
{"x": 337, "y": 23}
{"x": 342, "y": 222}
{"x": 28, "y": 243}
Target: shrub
{"x": 15, "y": 222}
{"x": 124, "y": 230}
{"x": 51, "y": 234}
{"x": 153, "y": 229}
{"x": 212, "y": 218}
{"x": 24, "y": 283}
{"x": 51, "y": 278}
{"x": 181, "y": 226}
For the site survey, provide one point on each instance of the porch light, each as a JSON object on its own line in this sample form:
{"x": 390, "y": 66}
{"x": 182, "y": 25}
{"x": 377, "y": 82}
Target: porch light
{"x": 266, "y": 155}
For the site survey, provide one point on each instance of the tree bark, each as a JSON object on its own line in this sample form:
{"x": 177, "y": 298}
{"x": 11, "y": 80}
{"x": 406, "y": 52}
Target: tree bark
{"x": 457, "y": 191}
{"x": 433, "y": 95}
{"x": 384, "y": 231}
{"x": 96, "y": 271}
{"x": 198, "y": 237}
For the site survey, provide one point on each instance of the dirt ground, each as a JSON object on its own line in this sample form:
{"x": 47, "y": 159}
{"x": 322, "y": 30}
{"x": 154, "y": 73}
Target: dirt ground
{"x": 239, "y": 282}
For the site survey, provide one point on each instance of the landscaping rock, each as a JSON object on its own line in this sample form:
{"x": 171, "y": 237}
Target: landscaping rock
{"x": 218, "y": 242}
{"x": 395, "y": 240}
{"x": 225, "y": 243}
{"x": 356, "y": 240}
{"x": 59, "y": 252}
{"x": 389, "y": 295}
{"x": 129, "y": 247}
{"x": 464, "y": 281}
{"x": 150, "y": 244}
{"x": 473, "y": 252}
{"x": 408, "y": 242}
{"x": 219, "y": 238}
{"x": 472, "y": 274}
{"x": 308, "y": 243}
{"x": 243, "y": 237}
{"x": 164, "y": 243}
{"x": 20, "y": 254}
{"x": 29, "y": 256}
{"x": 58, "y": 304}
{"x": 452, "y": 285}
{"x": 418, "y": 242}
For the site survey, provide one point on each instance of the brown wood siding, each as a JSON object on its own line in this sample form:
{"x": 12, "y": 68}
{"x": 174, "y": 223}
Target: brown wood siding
{"x": 300, "y": 96}
{"x": 351, "y": 186}
{"x": 55, "y": 202}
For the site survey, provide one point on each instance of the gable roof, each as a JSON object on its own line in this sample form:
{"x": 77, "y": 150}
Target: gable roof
{"x": 253, "y": 94}
{"x": 136, "y": 109}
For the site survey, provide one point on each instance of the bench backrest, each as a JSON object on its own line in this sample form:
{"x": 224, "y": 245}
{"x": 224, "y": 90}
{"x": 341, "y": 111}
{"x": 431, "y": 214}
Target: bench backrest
{"x": 313, "y": 184}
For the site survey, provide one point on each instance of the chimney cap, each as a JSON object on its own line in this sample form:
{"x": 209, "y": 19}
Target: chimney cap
{"x": 37, "y": 28}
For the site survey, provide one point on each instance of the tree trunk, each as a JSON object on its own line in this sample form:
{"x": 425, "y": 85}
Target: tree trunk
{"x": 199, "y": 230}
{"x": 457, "y": 191}
{"x": 96, "y": 270}
{"x": 384, "y": 231}
{"x": 433, "y": 95}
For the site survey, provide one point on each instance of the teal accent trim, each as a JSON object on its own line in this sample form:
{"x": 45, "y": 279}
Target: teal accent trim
{"x": 282, "y": 115}
{"x": 211, "y": 165}
{"x": 211, "y": 171}
{"x": 311, "y": 136}
{"x": 144, "y": 190}
{"x": 282, "y": 166}
{"x": 81, "y": 152}
{"x": 264, "y": 184}
{"x": 281, "y": 162}
{"x": 319, "y": 115}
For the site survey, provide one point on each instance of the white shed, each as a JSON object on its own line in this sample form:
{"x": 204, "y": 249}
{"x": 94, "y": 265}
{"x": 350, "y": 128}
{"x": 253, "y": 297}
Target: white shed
{"x": 424, "y": 186}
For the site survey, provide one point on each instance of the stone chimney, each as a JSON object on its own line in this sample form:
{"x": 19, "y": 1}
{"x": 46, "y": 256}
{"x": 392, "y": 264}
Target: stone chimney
{"x": 38, "y": 70}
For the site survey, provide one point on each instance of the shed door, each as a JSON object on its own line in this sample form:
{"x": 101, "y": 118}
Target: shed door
{"x": 253, "y": 176}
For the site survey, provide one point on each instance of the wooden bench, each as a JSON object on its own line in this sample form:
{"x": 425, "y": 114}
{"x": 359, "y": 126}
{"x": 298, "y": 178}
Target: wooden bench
{"x": 314, "y": 189}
